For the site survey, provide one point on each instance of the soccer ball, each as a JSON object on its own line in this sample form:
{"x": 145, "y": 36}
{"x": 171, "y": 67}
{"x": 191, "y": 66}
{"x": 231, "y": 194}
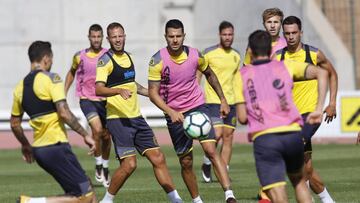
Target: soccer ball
{"x": 197, "y": 125}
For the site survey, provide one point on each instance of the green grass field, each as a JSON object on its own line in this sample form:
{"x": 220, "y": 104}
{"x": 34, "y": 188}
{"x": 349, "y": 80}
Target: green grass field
{"x": 338, "y": 165}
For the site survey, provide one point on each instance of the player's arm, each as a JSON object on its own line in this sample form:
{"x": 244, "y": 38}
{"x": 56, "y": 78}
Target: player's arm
{"x": 313, "y": 72}
{"x": 142, "y": 90}
{"x": 198, "y": 76}
{"x": 358, "y": 139}
{"x": 214, "y": 82}
{"x": 71, "y": 73}
{"x": 16, "y": 128}
{"x": 70, "y": 119}
{"x": 324, "y": 63}
{"x": 154, "y": 89}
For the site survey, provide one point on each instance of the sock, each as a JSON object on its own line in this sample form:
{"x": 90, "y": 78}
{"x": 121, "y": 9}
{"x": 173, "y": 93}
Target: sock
{"x": 98, "y": 160}
{"x": 174, "y": 197}
{"x": 105, "y": 163}
{"x": 228, "y": 194}
{"x": 206, "y": 161}
{"x": 197, "y": 200}
{"x": 37, "y": 200}
{"x": 308, "y": 183}
{"x": 325, "y": 196}
{"x": 227, "y": 168}
{"x": 108, "y": 197}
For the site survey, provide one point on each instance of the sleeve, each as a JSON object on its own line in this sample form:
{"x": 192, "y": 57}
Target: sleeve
{"x": 103, "y": 70}
{"x": 296, "y": 69}
{"x": 56, "y": 88}
{"x": 238, "y": 87}
{"x": 17, "y": 109}
{"x": 203, "y": 62}
{"x": 75, "y": 61}
{"x": 247, "y": 59}
{"x": 155, "y": 68}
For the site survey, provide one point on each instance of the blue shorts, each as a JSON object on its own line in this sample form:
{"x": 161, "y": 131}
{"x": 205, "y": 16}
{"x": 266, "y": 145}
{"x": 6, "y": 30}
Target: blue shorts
{"x": 92, "y": 109}
{"x": 182, "y": 143}
{"x": 307, "y": 132}
{"x": 277, "y": 154}
{"x": 131, "y": 134}
{"x": 229, "y": 121}
{"x": 60, "y": 162}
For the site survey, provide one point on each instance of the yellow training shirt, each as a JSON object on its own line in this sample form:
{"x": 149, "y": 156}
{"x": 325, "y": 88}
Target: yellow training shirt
{"x": 116, "y": 106}
{"x": 48, "y": 128}
{"x": 225, "y": 64}
{"x": 305, "y": 93}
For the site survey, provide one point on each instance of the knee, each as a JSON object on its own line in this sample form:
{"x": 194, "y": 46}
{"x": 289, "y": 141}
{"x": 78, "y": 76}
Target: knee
{"x": 158, "y": 160}
{"x": 129, "y": 166}
{"x": 210, "y": 153}
{"x": 97, "y": 132}
{"x": 186, "y": 163}
{"x": 228, "y": 136}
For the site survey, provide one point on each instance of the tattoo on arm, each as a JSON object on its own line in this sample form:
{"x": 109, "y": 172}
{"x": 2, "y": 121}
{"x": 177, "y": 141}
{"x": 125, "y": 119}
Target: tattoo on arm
{"x": 15, "y": 122}
{"x": 214, "y": 82}
{"x": 69, "y": 118}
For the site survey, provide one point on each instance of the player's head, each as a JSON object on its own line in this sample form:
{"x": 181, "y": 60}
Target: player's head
{"x": 174, "y": 35}
{"x": 40, "y": 53}
{"x": 260, "y": 43}
{"x": 95, "y": 36}
{"x": 116, "y": 36}
{"x": 272, "y": 19}
{"x": 226, "y": 33}
{"x": 292, "y": 31}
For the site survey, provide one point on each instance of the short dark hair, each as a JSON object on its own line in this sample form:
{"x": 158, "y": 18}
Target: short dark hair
{"x": 38, "y": 50}
{"x": 292, "y": 20}
{"x": 174, "y": 23}
{"x": 112, "y": 26}
{"x": 95, "y": 27}
{"x": 225, "y": 24}
{"x": 260, "y": 43}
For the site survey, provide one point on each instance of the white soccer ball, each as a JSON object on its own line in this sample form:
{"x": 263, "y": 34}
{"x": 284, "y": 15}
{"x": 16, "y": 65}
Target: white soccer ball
{"x": 197, "y": 125}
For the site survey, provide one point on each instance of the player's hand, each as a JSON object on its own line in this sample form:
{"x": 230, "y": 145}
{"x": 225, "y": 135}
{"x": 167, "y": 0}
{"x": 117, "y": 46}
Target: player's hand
{"x": 330, "y": 112}
{"x": 314, "y": 117}
{"x": 91, "y": 143}
{"x": 124, "y": 93}
{"x": 358, "y": 139}
{"x": 27, "y": 153}
{"x": 176, "y": 117}
{"x": 224, "y": 109}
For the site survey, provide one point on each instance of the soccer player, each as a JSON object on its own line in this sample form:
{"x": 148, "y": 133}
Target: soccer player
{"x": 115, "y": 79}
{"x": 224, "y": 61}
{"x": 272, "y": 19}
{"x": 273, "y": 119}
{"x": 305, "y": 94}
{"x": 93, "y": 107}
{"x": 41, "y": 95}
{"x": 174, "y": 89}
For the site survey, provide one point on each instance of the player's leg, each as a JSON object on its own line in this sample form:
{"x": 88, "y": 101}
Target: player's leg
{"x": 183, "y": 147}
{"x": 277, "y": 194}
{"x": 105, "y": 142}
{"x": 217, "y": 122}
{"x": 89, "y": 109}
{"x": 146, "y": 144}
{"x": 228, "y": 135}
{"x": 294, "y": 159}
{"x": 60, "y": 162}
{"x": 312, "y": 177}
{"x": 123, "y": 138}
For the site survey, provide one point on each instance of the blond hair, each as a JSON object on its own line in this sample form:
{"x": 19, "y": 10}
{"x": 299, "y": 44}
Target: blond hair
{"x": 271, "y": 12}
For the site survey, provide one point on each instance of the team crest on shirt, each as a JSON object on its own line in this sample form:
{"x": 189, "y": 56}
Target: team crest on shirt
{"x": 55, "y": 78}
{"x": 152, "y": 62}
{"x": 100, "y": 63}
